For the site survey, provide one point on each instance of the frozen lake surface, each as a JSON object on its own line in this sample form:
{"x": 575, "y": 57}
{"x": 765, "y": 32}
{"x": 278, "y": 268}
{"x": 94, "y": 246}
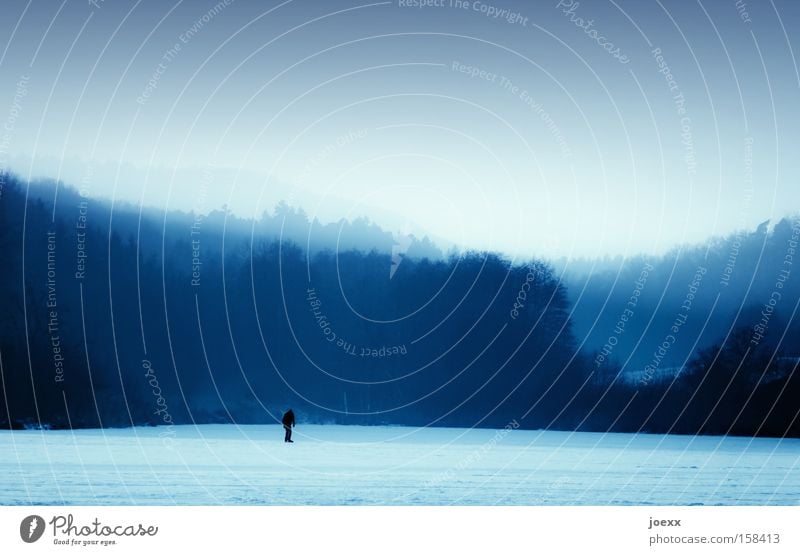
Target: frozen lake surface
{"x": 343, "y": 465}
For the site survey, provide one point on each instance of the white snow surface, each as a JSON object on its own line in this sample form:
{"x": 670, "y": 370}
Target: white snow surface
{"x": 357, "y": 465}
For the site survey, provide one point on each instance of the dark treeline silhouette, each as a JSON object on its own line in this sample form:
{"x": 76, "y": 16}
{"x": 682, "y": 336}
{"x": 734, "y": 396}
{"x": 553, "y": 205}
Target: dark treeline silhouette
{"x": 116, "y": 317}
{"x": 738, "y": 275}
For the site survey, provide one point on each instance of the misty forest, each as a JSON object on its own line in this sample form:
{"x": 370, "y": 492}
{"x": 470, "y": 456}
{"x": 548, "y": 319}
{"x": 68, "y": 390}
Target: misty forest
{"x": 115, "y": 315}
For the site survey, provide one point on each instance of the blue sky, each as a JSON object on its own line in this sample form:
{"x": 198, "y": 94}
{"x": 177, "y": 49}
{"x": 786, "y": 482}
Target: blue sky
{"x": 559, "y": 128}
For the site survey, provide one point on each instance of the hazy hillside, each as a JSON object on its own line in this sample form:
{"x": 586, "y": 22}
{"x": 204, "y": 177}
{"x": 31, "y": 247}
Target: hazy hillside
{"x": 114, "y": 317}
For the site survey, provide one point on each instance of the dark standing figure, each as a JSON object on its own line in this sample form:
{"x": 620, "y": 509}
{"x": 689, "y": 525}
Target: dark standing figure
{"x": 288, "y": 424}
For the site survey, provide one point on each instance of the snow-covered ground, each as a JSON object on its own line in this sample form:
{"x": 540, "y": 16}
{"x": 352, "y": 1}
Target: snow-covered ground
{"x": 227, "y": 464}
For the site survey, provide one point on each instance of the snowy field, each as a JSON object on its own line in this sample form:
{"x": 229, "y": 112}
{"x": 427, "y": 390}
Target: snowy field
{"x": 343, "y": 465}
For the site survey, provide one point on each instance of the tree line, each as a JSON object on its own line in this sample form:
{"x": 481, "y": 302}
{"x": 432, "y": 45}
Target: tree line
{"x": 116, "y": 316}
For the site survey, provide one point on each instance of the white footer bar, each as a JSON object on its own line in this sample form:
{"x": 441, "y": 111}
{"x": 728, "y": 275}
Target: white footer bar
{"x": 355, "y": 530}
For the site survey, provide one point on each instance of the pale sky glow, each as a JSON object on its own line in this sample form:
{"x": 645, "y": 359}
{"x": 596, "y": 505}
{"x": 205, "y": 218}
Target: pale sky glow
{"x": 527, "y": 138}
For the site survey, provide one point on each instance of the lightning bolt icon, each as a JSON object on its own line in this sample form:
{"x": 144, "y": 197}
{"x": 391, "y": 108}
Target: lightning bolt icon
{"x": 402, "y": 242}
{"x": 34, "y": 526}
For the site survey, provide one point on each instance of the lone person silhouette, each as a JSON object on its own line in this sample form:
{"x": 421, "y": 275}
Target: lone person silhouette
{"x": 288, "y": 424}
